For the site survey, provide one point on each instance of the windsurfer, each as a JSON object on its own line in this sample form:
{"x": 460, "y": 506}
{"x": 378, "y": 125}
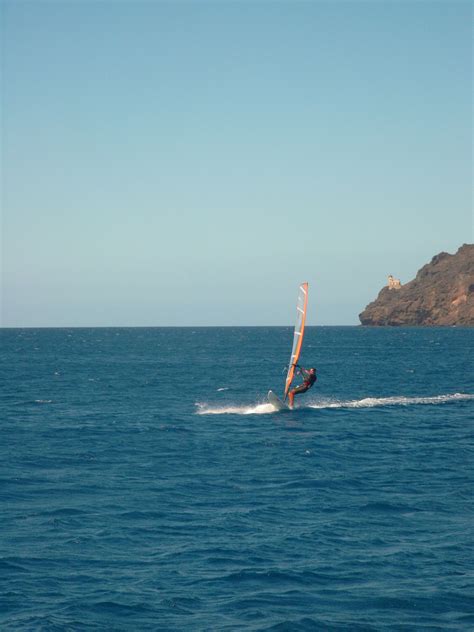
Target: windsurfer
{"x": 309, "y": 378}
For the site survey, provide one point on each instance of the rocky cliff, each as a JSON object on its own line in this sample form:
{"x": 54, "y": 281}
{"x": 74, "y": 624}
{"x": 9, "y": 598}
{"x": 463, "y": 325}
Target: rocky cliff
{"x": 441, "y": 294}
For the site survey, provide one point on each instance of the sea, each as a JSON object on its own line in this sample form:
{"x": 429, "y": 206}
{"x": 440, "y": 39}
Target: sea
{"x": 147, "y": 484}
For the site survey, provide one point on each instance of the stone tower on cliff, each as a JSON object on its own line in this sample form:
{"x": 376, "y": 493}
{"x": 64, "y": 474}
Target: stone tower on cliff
{"x": 393, "y": 284}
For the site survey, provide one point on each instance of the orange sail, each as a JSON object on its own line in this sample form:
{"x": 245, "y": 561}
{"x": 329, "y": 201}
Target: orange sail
{"x": 301, "y": 306}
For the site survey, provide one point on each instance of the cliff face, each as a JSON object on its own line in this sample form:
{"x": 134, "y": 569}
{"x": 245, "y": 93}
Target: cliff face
{"x": 441, "y": 294}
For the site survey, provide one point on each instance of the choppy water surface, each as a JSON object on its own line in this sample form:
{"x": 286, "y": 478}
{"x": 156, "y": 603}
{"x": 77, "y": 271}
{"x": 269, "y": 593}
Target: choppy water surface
{"x": 147, "y": 485}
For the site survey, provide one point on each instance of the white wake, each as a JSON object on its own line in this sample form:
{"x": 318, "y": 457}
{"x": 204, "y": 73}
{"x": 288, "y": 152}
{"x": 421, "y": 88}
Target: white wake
{"x": 256, "y": 409}
{"x": 366, "y": 402}
{"x": 395, "y": 400}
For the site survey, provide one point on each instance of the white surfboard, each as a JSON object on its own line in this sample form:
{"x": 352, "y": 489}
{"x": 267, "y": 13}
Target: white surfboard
{"x": 276, "y": 401}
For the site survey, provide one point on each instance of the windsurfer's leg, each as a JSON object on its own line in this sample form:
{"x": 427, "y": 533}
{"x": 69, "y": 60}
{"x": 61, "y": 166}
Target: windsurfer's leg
{"x": 296, "y": 391}
{"x": 300, "y": 389}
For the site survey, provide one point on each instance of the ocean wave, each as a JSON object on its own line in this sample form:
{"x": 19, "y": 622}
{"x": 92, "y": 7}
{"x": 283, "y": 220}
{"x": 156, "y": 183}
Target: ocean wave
{"x": 366, "y": 402}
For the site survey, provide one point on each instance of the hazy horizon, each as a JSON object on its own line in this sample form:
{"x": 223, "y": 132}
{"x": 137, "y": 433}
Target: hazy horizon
{"x": 190, "y": 164}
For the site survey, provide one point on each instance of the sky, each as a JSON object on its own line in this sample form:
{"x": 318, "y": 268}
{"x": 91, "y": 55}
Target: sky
{"x": 191, "y": 162}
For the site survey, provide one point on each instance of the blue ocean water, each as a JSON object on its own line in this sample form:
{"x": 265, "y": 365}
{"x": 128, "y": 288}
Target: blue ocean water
{"x": 146, "y": 484}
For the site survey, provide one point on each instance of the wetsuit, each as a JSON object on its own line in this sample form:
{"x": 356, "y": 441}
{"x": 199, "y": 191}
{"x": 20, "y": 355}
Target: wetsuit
{"x": 308, "y": 380}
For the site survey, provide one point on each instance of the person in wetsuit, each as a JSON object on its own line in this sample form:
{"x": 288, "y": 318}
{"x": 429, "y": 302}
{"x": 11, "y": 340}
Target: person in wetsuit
{"x": 309, "y": 378}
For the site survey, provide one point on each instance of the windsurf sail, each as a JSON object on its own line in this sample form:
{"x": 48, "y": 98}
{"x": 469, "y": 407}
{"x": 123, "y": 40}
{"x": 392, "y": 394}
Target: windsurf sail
{"x": 301, "y": 305}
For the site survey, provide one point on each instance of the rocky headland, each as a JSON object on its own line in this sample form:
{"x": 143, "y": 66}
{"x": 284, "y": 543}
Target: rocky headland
{"x": 442, "y": 293}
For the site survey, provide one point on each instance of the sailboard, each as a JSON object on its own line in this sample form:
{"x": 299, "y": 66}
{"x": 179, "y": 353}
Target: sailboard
{"x": 276, "y": 402}
{"x": 298, "y": 334}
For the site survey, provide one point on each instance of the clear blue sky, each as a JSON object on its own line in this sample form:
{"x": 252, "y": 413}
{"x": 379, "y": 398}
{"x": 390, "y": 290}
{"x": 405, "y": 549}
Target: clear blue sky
{"x": 190, "y": 163}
